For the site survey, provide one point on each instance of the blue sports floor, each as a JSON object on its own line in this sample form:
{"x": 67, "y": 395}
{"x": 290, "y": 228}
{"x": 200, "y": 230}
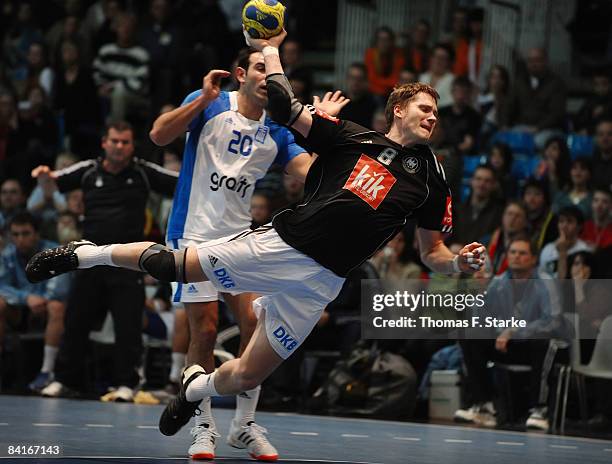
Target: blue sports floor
{"x": 96, "y": 432}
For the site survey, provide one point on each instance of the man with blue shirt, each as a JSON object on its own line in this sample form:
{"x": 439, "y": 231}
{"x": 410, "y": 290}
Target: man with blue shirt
{"x": 21, "y": 300}
{"x": 231, "y": 143}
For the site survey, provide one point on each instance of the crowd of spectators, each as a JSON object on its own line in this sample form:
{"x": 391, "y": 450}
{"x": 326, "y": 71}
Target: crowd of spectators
{"x": 521, "y": 185}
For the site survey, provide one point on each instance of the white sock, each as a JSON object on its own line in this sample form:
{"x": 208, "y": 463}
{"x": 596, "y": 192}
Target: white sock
{"x": 201, "y": 387}
{"x": 246, "y": 403}
{"x": 205, "y": 417}
{"x": 178, "y": 362}
{"x": 90, "y": 255}
{"x": 49, "y": 357}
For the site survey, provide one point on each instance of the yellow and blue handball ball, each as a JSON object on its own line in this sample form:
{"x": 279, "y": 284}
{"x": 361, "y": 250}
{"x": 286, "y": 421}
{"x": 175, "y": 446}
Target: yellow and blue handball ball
{"x": 263, "y": 19}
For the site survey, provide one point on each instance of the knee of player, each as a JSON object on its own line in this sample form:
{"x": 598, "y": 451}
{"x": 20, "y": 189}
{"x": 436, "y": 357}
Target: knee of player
{"x": 205, "y": 333}
{"x": 163, "y": 263}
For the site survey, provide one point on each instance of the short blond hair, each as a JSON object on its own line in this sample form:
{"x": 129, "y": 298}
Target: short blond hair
{"x": 403, "y": 94}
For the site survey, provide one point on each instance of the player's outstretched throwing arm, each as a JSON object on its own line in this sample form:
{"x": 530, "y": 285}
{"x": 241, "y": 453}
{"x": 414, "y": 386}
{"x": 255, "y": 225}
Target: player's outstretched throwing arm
{"x": 175, "y": 123}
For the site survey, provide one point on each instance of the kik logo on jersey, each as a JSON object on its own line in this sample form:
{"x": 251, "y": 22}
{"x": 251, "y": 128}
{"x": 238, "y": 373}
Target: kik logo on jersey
{"x": 447, "y": 220}
{"x": 370, "y": 181}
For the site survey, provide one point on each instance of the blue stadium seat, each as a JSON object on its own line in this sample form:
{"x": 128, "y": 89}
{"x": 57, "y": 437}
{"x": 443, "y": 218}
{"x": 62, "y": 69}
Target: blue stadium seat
{"x": 580, "y": 145}
{"x": 524, "y": 166}
{"x": 470, "y": 163}
{"x": 519, "y": 142}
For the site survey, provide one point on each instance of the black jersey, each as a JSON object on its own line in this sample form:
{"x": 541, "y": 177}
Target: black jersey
{"x": 359, "y": 193}
{"x": 115, "y": 203}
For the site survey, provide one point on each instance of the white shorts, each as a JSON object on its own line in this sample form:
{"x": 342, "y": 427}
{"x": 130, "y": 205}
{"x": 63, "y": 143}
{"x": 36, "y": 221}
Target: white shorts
{"x": 295, "y": 288}
{"x": 196, "y": 292}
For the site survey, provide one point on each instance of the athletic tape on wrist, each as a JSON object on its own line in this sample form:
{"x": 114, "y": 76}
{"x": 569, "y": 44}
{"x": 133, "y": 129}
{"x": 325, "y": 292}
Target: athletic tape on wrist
{"x": 269, "y": 50}
{"x": 455, "y": 264}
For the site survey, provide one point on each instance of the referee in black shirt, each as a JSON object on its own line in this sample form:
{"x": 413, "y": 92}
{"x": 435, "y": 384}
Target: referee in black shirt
{"x": 115, "y": 192}
{"x": 358, "y": 194}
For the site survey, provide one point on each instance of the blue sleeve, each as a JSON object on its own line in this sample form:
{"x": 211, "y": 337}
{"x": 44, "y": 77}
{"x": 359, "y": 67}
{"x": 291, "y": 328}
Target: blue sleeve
{"x": 198, "y": 121}
{"x": 287, "y": 148}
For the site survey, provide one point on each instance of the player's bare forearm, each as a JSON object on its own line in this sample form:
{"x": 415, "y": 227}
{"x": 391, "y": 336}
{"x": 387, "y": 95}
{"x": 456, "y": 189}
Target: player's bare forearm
{"x": 437, "y": 257}
{"x": 173, "y": 124}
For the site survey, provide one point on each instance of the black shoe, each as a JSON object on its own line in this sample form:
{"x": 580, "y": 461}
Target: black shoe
{"x": 179, "y": 411}
{"x": 53, "y": 262}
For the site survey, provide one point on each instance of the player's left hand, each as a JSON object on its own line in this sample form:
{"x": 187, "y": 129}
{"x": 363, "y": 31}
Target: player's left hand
{"x": 260, "y": 44}
{"x": 331, "y": 103}
{"x": 472, "y": 257}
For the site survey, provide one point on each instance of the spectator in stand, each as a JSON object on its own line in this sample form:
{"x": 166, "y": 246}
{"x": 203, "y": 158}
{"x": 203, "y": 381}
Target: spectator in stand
{"x": 542, "y": 222}
{"x": 46, "y": 202}
{"x": 384, "y": 61}
{"x": 68, "y": 228}
{"x": 481, "y": 213}
{"x": 459, "y": 27}
{"x": 513, "y": 224}
{"x": 494, "y": 102}
{"x": 553, "y": 258}
{"x": 459, "y": 121}
{"x": 38, "y": 72}
{"x": 555, "y": 167}
{"x": 500, "y": 158}
{"x": 121, "y": 71}
{"x": 468, "y": 50}
{"x": 592, "y": 296}
{"x": 362, "y": 106}
{"x": 22, "y": 32}
{"x": 74, "y": 84}
{"x": 538, "y": 103}
{"x": 439, "y": 75}
{"x": 162, "y": 37}
{"x": 397, "y": 261}
{"x": 416, "y": 51}
{"x": 21, "y": 302}
{"x": 406, "y": 76}
{"x": 11, "y": 138}
{"x": 597, "y": 106}
{"x": 602, "y": 160}
{"x": 261, "y": 210}
{"x": 68, "y": 28}
{"x": 578, "y": 192}
{"x": 12, "y": 201}
{"x": 292, "y": 59}
{"x": 101, "y": 20}
{"x": 597, "y": 232}
{"x": 38, "y": 128}
{"x": 518, "y": 292}
{"x": 293, "y": 189}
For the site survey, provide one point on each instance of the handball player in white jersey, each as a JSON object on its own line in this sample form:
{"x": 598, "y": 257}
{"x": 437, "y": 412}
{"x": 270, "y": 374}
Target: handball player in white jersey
{"x": 231, "y": 143}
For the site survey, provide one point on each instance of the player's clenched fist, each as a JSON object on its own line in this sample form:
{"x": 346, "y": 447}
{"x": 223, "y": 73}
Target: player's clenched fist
{"x": 471, "y": 258}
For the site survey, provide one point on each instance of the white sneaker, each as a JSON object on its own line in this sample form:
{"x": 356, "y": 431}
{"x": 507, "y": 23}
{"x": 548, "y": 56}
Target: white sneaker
{"x": 467, "y": 415}
{"x": 204, "y": 442}
{"x": 53, "y": 390}
{"x": 538, "y": 419}
{"x": 479, "y": 414}
{"x": 252, "y": 437}
{"x": 486, "y": 415}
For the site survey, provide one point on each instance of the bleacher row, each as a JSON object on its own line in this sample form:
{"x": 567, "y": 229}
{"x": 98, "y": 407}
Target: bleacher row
{"x": 526, "y": 159}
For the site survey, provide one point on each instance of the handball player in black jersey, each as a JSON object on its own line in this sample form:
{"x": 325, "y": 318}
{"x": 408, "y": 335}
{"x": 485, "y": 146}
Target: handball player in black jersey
{"x": 358, "y": 195}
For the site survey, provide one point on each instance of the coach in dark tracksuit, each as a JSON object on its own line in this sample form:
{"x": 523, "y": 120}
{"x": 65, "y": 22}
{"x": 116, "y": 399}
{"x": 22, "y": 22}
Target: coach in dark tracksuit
{"x": 115, "y": 191}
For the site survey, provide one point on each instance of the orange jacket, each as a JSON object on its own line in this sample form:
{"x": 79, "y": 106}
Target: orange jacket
{"x": 379, "y": 84}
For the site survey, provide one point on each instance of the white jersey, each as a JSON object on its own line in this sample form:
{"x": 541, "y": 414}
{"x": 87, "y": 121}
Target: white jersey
{"x": 225, "y": 154}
